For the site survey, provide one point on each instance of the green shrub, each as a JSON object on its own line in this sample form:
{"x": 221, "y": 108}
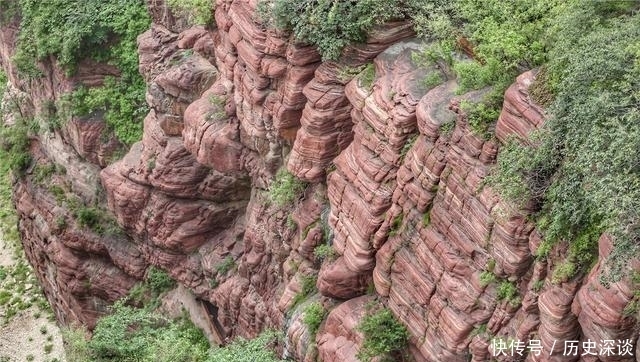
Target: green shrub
{"x": 159, "y": 281}
{"x": 3, "y": 79}
{"x": 383, "y": 335}
{"x": 582, "y": 172}
{"x": 367, "y": 76}
{"x": 242, "y": 350}
{"x": 291, "y": 223}
{"x": 396, "y": 223}
{"x": 219, "y": 113}
{"x": 309, "y": 284}
{"x": 479, "y": 330}
{"x": 563, "y": 272}
{"x": 14, "y": 146}
{"x": 308, "y": 287}
{"x": 285, "y": 189}
{"x": 347, "y": 73}
{"x": 88, "y": 217}
{"x": 538, "y": 285}
{"x": 148, "y": 292}
{"x": 314, "y": 314}
{"x": 481, "y": 116}
{"x": 433, "y": 80}
{"x": 509, "y": 292}
{"x": 329, "y": 25}
{"x": 426, "y": 218}
{"x": 42, "y": 173}
{"x": 130, "y": 334}
{"x": 633, "y": 307}
{"x": 10, "y": 9}
{"x": 5, "y": 297}
{"x": 226, "y": 265}
{"x": 196, "y": 12}
{"x": 486, "y": 278}
{"x": 324, "y": 252}
{"x": 94, "y": 217}
{"x": 102, "y": 30}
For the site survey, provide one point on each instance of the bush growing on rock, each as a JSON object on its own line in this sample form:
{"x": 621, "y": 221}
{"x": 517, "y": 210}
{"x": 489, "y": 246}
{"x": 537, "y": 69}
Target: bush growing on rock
{"x": 330, "y": 25}
{"x": 582, "y": 172}
{"x": 197, "y": 12}
{"x": 314, "y": 314}
{"x": 130, "y": 334}
{"x": 104, "y": 31}
{"x": 241, "y": 350}
{"x": 384, "y": 336}
{"x": 286, "y": 188}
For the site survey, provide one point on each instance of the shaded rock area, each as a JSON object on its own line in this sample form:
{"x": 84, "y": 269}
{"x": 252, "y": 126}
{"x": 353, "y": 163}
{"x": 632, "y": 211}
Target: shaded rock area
{"x": 395, "y": 185}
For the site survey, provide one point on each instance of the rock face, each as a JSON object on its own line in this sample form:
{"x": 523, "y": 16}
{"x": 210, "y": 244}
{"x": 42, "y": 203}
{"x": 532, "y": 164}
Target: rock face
{"x": 396, "y": 187}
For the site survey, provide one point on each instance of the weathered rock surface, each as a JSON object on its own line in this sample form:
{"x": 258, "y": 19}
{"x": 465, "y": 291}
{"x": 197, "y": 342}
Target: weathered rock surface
{"x": 397, "y": 187}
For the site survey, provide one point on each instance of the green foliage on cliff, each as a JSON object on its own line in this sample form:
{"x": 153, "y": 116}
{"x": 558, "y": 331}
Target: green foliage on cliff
{"x": 503, "y": 38}
{"x": 324, "y": 252}
{"x": 384, "y": 336}
{"x": 582, "y": 169}
{"x": 330, "y": 25}
{"x": 130, "y": 334}
{"x": 14, "y": 277}
{"x": 159, "y": 280}
{"x": 14, "y": 146}
{"x": 314, "y": 314}
{"x": 286, "y": 188}
{"x": 68, "y": 32}
{"x": 148, "y": 292}
{"x": 241, "y": 350}
{"x": 95, "y": 217}
{"x": 196, "y": 12}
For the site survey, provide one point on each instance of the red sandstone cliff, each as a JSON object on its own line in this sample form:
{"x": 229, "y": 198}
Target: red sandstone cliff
{"x": 409, "y": 211}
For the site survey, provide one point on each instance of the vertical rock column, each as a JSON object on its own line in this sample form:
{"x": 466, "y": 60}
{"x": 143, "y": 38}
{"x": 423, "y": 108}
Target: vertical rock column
{"x": 361, "y": 188}
{"x": 326, "y": 124}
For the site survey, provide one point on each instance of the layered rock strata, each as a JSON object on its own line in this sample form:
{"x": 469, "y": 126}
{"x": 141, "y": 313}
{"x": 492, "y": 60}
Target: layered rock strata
{"x": 396, "y": 186}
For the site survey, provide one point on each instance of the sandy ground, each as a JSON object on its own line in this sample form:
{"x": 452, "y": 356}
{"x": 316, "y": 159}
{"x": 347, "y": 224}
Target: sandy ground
{"x": 30, "y": 335}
